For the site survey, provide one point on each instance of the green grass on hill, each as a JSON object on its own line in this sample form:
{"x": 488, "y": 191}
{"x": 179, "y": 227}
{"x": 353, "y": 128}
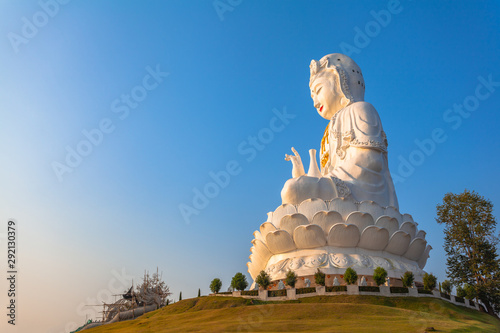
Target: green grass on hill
{"x": 313, "y": 314}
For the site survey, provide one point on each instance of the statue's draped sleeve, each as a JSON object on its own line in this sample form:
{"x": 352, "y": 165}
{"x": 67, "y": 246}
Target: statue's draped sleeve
{"x": 365, "y": 171}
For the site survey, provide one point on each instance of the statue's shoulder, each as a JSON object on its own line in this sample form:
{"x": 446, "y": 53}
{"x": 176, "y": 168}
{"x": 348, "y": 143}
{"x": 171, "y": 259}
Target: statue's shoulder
{"x": 363, "y": 109}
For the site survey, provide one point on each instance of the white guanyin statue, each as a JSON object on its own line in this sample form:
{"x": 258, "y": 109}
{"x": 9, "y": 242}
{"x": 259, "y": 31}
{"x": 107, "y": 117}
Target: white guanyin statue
{"x": 347, "y": 213}
{"x": 354, "y": 147}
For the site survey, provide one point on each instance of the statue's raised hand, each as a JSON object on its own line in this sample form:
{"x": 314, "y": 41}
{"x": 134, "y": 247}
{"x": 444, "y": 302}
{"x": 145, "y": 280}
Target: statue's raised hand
{"x": 298, "y": 167}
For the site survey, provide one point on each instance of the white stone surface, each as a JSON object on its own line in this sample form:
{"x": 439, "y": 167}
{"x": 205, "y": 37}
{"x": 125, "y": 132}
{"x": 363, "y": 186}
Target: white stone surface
{"x": 326, "y": 220}
{"x": 309, "y": 236}
{"x": 290, "y": 222}
{"x": 344, "y": 235}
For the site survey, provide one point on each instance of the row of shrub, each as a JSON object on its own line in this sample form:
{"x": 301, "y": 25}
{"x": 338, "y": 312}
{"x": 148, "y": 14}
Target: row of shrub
{"x": 333, "y": 289}
{"x": 239, "y": 282}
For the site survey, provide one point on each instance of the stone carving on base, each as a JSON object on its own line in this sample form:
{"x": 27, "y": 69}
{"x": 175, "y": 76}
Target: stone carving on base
{"x": 344, "y": 212}
{"x": 363, "y": 282}
{"x": 336, "y": 282}
{"x": 281, "y": 285}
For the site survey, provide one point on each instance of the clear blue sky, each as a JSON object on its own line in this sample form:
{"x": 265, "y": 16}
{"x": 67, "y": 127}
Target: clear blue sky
{"x": 118, "y": 207}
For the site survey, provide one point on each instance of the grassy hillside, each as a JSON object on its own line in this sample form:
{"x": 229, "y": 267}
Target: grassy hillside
{"x": 314, "y": 314}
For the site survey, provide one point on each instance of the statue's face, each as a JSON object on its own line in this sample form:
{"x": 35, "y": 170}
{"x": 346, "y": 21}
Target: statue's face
{"x": 326, "y": 95}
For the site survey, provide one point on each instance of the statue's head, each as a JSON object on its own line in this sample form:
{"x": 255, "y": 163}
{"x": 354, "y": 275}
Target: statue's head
{"x": 336, "y": 81}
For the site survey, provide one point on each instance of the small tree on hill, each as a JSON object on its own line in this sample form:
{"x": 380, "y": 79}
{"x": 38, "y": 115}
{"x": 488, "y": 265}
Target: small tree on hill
{"x": 461, "y": 292}
{"x": 263, "y": 280}
{"x": 180, "y": 296}
{"x": 379, "y": 275}
{"x": 350, "y": 276}
{"x": 471, "y": 243}
{"x": 470, "y": 291}
{"x": 291, "y": 278}
{"x": 215, "y": 285}
{"x": 319, "y": 278}
{"x": 199, "y": 292}
{"x": 429, "y": 281}
{"x": 239, "y": 281}
{"x": 408, "y": 278}
{"x": 446, "y": 286}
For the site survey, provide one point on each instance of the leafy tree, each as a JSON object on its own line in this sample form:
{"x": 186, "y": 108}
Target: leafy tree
{"x": 471, "y": 245}
{"x": 408, "y": 279}
{"x": 239, "y": 282}
{"x": 215, "y": 285}
{"x": 446, "y": 286}
{"x": 461, "y": 292}
{"x": 429, "y": 281}
{"x": 199, "y": 292}
{"x": 263, "y": 280}
{"x": 291, "y": 278}
{"x": 350, "y": 276}
{"x": 180, "y": 296}
{"x": 319, "y": 278}
{"x": 379, "y": 275}
{"x": 470, "y": 291}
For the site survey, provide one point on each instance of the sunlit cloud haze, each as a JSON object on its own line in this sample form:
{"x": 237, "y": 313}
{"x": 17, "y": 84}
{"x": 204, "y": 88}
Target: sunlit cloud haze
{"x": 200, "y": 82}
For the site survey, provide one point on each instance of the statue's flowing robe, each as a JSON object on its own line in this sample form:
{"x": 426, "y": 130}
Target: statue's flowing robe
{"x": 365, "y": 168}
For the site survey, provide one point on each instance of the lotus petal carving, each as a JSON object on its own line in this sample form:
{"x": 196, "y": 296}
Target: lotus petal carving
{"x": 280, "y": 241}
{"x": 260, "y": 249}
{"x": 343, "y": 235}
{"x": 416, "y": 249}
{"x": 410, "y": 228}
{"x": 281, "y": 211}
{"x": 252, "y": 269}
{"x": 372, "y": 208}
{"x": 310, "y": 207}
{"x": 290, "y": 222}
{"x": 257, "y": 263}
{"x": 257, "y": 235}
{"x": 374, "y": 238}
{"x": 393, "y": 212}
{"x": 389, "y": 223}
{"x": 266, "y": 228}
{"x": 343, "y": 206}
{"x": 398, "y": 243}
{"x": 421, "y": 234}
{"x": 327, "y": 219}
{"x": 360, "y": 219}
{"x": 407, "y": 218}
{"x": 423, "y": 259}
{"x": 309, "y": 236}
